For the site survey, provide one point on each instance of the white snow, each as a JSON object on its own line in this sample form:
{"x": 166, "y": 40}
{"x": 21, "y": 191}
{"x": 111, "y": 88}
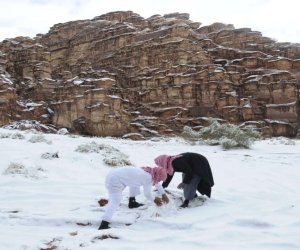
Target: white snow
{"x": 6, "y": 79}
{"x": 114, "y": 97}
{"x": 78, "y": 82}
{"x": 50, "y": 201}
{"x": 281, "y": 105}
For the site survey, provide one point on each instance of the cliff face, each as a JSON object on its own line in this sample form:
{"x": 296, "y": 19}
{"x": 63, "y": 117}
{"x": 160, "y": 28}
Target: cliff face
{"x": 120, "y": 73}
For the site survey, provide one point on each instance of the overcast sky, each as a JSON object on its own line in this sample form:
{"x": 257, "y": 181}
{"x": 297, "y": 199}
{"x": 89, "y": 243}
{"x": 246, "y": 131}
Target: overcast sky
{"x": 278, "y": 19}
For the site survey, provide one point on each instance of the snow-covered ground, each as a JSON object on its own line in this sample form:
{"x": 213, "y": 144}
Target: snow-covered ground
{"x": 51, "y": 203}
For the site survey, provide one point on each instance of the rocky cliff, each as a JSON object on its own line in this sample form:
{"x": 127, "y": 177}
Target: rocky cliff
{"x": 120, "y": 73}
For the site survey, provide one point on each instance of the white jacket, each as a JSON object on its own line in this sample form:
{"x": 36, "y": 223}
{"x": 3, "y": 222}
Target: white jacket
{"x": 133, "y": 177}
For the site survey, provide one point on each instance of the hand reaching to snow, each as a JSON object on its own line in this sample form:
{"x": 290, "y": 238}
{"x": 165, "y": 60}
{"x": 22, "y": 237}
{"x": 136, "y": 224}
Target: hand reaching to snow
{"x": 165, "y": 198}
{"x": 158, "y": 201}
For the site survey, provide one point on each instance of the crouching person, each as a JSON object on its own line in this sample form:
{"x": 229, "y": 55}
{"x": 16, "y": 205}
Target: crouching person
{"x": 133, "y": 177}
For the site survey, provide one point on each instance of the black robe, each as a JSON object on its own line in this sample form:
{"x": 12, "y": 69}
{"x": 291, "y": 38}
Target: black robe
{"x": 193, "y": 164}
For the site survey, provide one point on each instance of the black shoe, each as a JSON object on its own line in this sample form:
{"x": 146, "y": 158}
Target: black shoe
{"x": 133, "y": 203}
{"x": 185, "y": 204}
{"x": 104, "y": 225}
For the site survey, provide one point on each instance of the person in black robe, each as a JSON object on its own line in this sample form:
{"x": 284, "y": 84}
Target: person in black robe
{"x": 197, "y": 174}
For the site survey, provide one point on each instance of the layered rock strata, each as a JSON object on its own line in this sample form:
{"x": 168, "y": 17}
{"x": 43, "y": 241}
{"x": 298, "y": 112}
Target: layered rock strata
{"x": 120, "y": 73}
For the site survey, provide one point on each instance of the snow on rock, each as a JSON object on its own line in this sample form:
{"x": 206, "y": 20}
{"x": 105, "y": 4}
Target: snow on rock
{"x": 78, "y": 82}
{"x": 133, "y": 136}
{"x": 50, "y": 155}
{"x": 29, "y": 125}
{"x": 63, "y": 131}
{"x": 5, "y": 78}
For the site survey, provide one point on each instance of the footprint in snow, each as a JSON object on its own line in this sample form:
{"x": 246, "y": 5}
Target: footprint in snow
{"x": 254, "y": 223}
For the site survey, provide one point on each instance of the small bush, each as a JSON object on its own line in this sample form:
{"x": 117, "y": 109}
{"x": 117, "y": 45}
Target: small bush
{"x": 112, "y": 156}
{"x": 227, "y": 135}
{"x": 91, "y": 147}
{"x": 283, "y": 141}
{"x": 49, "y": 156}
{"x": 4, "y": 135}
{"x": 227, "y": 143}
{"x": 18, "y": 169}
{"x": 39, "y": 138}
{"x": 12, "y": 136}
{"x": 15, "y": 168}
{"x": 17, "y": 136}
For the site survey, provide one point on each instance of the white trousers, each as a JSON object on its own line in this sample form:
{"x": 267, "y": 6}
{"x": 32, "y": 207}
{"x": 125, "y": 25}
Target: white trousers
{"x": 114, "y": 200}
{"x": 115, "y": 189}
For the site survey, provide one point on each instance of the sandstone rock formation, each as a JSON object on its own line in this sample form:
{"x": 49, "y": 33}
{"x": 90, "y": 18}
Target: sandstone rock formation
{"x": 122, "y": 74}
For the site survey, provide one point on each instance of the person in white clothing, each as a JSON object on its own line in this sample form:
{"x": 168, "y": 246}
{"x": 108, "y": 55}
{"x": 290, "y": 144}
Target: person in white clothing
{"x": 133, "y": 177}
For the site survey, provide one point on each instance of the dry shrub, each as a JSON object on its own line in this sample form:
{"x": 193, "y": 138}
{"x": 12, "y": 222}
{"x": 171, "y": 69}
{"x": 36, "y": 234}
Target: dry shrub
{"x": 39, "y": 138}
{"x": 15, "y": 168}
{"x": 227, "y": 135}
{"x": 112, "y": 156}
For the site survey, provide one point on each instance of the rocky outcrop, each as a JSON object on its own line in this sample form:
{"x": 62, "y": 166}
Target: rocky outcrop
{"x": 121, "y": 74}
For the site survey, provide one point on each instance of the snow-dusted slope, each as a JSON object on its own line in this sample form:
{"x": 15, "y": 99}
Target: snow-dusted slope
{"x": 47, "y": 202}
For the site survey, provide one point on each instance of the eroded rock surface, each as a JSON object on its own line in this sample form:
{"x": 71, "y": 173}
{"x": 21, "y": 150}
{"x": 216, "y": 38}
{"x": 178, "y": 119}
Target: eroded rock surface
{"x": 120, "y": 73}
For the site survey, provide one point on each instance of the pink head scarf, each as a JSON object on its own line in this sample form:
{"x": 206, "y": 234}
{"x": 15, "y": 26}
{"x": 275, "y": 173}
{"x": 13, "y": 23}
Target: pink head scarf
{"x": 165, "y": 161}
{"x": 157, "y": 173}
